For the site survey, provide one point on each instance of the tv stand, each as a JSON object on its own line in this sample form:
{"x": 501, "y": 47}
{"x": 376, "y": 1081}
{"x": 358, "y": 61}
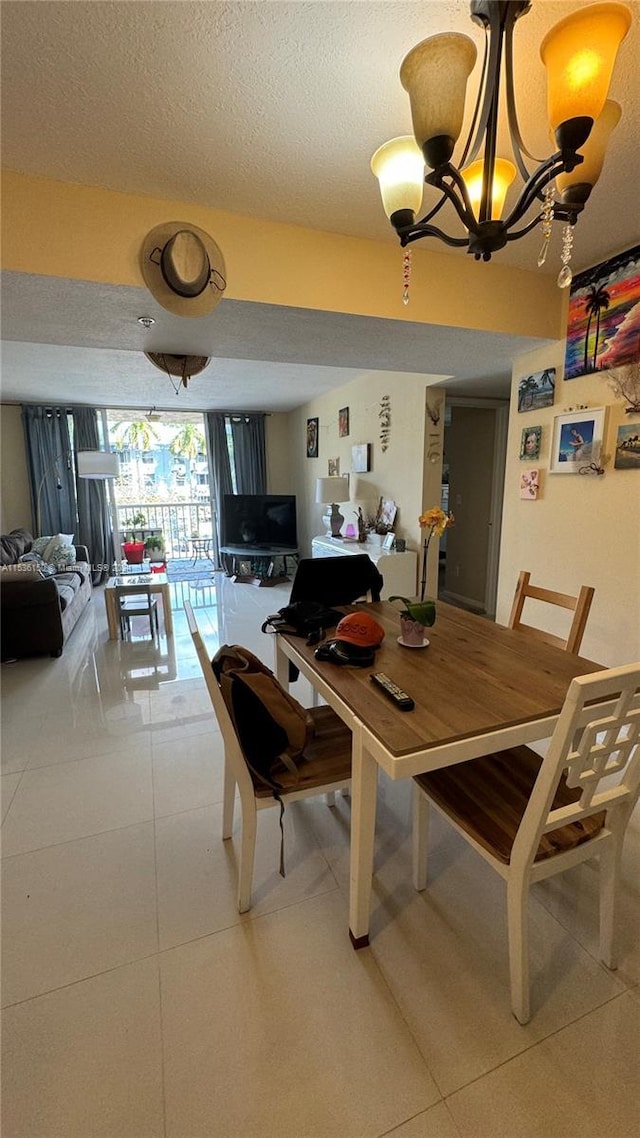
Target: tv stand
{"x": 261, "y": 556}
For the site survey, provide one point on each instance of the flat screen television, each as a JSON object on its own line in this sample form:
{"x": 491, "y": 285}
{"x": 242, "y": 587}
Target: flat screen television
{"x": 259, "y": 520}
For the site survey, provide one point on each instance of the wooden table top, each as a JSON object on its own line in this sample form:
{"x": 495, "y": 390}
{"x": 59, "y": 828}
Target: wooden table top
{"x": 474, "y": 677}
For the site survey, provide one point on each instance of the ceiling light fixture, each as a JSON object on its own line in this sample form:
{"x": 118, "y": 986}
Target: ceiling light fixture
{"x": 182, "y": 366}
{"x": 579, "y": 54}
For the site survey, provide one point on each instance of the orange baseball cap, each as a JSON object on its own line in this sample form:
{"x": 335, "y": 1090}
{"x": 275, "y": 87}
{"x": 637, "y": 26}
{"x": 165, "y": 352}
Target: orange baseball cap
{"x": 361, "y": 629}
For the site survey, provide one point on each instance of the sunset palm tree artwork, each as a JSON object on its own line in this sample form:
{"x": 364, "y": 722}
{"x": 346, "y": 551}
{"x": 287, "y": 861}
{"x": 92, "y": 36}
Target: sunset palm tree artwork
{"x": 597, "y": 299}
{"x": 603, "y": 325}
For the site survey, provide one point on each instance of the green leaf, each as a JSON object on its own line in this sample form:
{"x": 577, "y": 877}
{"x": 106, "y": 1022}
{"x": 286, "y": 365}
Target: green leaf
{"x": 422, "y": 611}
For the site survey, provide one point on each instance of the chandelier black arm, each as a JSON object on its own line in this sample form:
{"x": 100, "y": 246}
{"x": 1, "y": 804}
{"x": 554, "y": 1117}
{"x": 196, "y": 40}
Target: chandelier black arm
{"x": 414, "y": 232}
{"x": 527, "y": 229}
{"x": 517, "y": 144}
{"x": 476, "y": 109}
{"x": 548, "y": 170}
{"x": 491, "y": 82}
{"x": 463, "y": 208}
{"x": 432, "y": 213}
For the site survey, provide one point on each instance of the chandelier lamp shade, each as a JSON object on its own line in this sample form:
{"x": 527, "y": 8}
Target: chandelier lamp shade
{"x": 330, "y": 491}
{"x": 579, "y": 55}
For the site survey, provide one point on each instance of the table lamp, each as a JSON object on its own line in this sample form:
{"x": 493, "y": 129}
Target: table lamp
{"x": 330, "y": 491}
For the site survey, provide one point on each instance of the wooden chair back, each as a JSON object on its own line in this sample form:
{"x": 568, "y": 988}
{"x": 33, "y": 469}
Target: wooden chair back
{"x": 136, "y": 600}
{"x": 579, "y": 605}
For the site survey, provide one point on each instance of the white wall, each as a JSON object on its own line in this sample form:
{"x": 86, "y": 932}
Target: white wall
{"x": 279, "y": 470}
{"x": 396, "y": 473}
{"x": 15, "y": 502}
{"x": 582, "y": 529}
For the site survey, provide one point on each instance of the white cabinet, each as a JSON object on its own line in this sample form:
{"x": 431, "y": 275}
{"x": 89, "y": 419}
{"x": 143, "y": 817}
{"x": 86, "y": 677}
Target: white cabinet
{"x": 399, "y": 570}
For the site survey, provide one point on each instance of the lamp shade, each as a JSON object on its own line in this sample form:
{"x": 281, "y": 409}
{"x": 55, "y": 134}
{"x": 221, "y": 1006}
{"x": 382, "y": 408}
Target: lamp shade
{"x": 579, "y": 54}
{"x": 98, "y": 464}
{"x": 399, "y": 167}
{"x": 503, "y": 174}
{"x": 434, "y": 74}
{"x": 329, "y": 490}
{"x": 577, "y": 185}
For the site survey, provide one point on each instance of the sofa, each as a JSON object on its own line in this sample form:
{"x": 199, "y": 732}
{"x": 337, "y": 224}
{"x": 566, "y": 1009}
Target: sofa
{"x": 39, "y": 613}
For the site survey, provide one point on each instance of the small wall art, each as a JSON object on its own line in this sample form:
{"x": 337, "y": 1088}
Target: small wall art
{"x": 537, "y": 390}
{"x": 361, "y": 458}
{"x": 384, "y": 415}
{"x": 343, "y": 422}
{"x": 604, "y": 316}
{"x": 577, "y": 440}
{"x": 333, "y": 465}
{"x": 530, "y": 443}
{"x": 529, "y": 484}
{"x": 312, "y": 438}
{"x": 628, "y": 447}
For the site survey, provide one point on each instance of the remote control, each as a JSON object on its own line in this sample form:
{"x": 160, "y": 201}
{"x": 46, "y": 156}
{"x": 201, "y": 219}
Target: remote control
{"x": 399, "y": 697}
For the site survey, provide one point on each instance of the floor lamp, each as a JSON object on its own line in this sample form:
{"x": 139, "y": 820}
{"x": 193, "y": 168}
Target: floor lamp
{"x": 103, "y": 465}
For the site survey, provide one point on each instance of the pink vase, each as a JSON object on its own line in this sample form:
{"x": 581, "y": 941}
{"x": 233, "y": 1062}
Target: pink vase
{"x": 412, "y": 632}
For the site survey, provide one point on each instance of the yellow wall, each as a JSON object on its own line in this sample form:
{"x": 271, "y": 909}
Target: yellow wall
{"x": 15, "y": 503}
{"x": 88, "y": 233}
{"x": 582, "y": 530}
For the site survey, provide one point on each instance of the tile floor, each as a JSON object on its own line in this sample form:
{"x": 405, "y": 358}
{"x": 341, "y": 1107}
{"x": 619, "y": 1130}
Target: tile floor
{"x": 139, "y": 1003}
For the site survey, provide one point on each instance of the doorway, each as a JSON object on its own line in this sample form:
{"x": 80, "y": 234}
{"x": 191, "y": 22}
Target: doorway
{"x": 475, "y": 442}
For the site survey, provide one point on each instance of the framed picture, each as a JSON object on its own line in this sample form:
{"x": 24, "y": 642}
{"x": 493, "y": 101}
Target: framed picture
{"x": 389, "y": 541}
{"x": 604, "y": 316}
{"x": 361, "y": 458}
{"x": 530, "y": 442}
{"x": 577, "y": 440}
{"x": 628, "y": 447}
{"x": 537, "y": 390}
{"x": 333, "y": 467}
{"x": 343, "y": 422}
{"x": 312, "y": 438}
{"x": 529, "y": 484}
{"x": 387, "y": 512}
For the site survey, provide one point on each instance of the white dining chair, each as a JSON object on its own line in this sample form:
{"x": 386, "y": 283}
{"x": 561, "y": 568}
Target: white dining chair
{"x": 531, "y": 817}
{"x": 325, "y": 767}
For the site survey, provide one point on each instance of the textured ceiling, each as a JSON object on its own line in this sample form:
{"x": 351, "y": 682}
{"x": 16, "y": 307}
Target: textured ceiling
{"x": 266, "y": 109}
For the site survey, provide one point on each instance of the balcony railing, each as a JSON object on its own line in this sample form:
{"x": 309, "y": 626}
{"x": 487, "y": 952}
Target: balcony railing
{"x": 180, "y": 522}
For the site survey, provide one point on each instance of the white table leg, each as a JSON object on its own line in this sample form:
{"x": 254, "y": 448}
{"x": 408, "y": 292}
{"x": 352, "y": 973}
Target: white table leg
{"x": 364, "y": 781}
{"x": 281, "y": 664}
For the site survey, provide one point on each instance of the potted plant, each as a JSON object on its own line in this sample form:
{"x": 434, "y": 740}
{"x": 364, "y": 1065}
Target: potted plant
{"x": 414, "y": 618}
{"x": 154, "y": 547}
{"x": 133, "y": 551}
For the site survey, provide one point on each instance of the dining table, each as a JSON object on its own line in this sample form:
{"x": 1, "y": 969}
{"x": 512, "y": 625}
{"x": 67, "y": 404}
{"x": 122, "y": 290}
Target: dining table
{"x": 477, "y": 686}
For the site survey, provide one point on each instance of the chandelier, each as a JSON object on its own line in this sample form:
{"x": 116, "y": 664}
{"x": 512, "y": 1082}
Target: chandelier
{"x": 579, "y": 54}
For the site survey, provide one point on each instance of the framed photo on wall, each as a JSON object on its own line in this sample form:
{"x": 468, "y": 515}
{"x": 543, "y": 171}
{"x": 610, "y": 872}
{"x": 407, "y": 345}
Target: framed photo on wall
{"x": 333, "y": 467}
{"x": 537, "y": 390}
{"x": 577, "y": 440}
{"x": 530, "y": 442}
{"x": 343, "y": 422}
{"x": 312, "y": 438}
{"x": 361, "y": 458}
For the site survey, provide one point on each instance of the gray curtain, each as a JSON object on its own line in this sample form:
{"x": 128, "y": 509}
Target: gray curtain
{"x": 220, "y": 467}
{"x": 94, "y": 525}
{"x": 52, "y": 486}
{"x": 249, "y": 453}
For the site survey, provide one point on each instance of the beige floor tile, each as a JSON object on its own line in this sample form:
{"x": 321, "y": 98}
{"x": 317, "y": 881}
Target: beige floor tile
{"x": 179, "y": 700}
{"x": 288, "y": 994}
{"x": 583, "y": 1081}
{"x": 74, "y": 800}
{"x": 8, "y": 786}
{"x": 187, "y": 773}
{"x": 198, "y": 872}
{"x": 433, "y": 1123}
{"x": 572, "y": 898}
{"x": 85, "y": 1061}
{"x": 88, "y": 741}
{"x": 180, "y": 729}
{"x": 444, "y": 955}
{"x": 77, "y": 909}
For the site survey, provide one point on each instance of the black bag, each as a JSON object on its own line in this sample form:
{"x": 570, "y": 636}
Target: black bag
{"x": 302, "y": 618}
{"x": 273, "y": 728}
